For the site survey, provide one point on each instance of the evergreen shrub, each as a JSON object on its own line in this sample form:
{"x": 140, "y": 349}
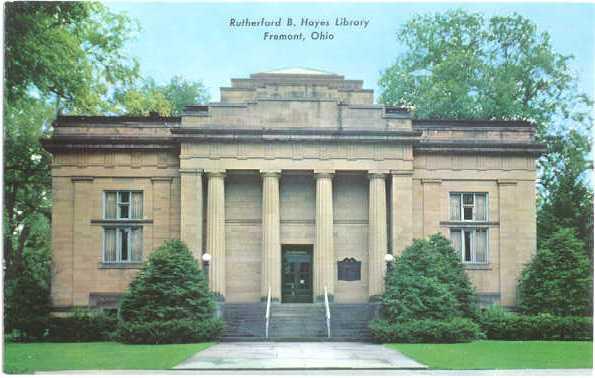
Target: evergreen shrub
{"x": 428, "y": 282}
{"x": 455, "y": 330}
{"x": 83, "y": 325}
{"x": 428, "y": 297}
{"x": 499, "y": 324}
{"x": 168, "y": 301}
{"x": 27, "y": 305}
{"x": 558, "y": 280}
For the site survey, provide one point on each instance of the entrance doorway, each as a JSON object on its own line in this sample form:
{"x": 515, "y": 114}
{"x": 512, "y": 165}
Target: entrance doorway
{"x": 296, "y": 274}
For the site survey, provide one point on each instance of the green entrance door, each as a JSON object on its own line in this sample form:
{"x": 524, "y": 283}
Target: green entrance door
{"x": 296, "y": 274}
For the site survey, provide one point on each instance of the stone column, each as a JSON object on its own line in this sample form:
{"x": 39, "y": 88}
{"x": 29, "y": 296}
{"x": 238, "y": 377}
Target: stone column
{"x": 216, "y": 231}
{"x": 324, "y": 247}
{"x": 401, "y": 210}
{"x": 191, "y": 211}
{"x": 271, "y": 236}
{"x": 377, "y": 242}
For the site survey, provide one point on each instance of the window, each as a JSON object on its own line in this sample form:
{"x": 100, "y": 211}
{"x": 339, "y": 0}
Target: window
{"x": 472, "y": 243}
{"x": 122, "y": 239}
{"x": 468, "y": 207}
{"x": 123, "y": 205}
{"x": 122, "y": 244}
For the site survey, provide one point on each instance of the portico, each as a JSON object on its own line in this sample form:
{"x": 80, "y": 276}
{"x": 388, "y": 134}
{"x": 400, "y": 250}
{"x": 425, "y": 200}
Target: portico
{"x": 324, "y": 258}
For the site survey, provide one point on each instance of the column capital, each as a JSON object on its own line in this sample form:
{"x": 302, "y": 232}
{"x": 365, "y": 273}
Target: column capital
{"x": 324, "y": 173}
{"x": 270, "y": 173}
{"x": 401, "y": 172}
{"x": 377, "y": 174}
{"x": 192, "y": 171}
{"x": 503, "y": 182}
{"x": 215, "y": 173}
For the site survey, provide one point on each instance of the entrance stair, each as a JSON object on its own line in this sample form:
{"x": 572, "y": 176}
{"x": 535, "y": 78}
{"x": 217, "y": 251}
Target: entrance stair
{"x": 297, "y": 321}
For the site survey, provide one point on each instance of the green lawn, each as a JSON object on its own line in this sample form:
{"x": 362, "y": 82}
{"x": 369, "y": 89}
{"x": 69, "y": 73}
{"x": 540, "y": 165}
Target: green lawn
{"x": 502, "y": 354}
{"x": 30, "y": 357}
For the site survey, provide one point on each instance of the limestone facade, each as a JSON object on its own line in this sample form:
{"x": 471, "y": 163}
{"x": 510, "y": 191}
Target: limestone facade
{"x": 286, "y": 161}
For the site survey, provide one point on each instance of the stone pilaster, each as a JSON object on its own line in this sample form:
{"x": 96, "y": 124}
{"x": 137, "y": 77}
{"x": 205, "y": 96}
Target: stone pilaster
{"x": 216, "y": 231}
{"x": 431, "y": 206}
{"x": 271, "y": 234}
{"x": 82, "y": 234}
{"x": 191, "y": 211}
{"x": 324, "y": 245}
{"x": 509, "y": 240}
{"x": 401, "y": 210}
{"x": 377, "y": 229}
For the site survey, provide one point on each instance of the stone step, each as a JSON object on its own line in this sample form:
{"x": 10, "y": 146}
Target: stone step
{"x": 298, "y": 321}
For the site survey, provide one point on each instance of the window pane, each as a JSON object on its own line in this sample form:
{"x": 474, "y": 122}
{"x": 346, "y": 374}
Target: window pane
{"x": 124, "y": 197}
{"x": 109, "y": 245}
{"x": 467, "y": 257}
{"x": 481, "y": 246}
{"x": 136, "y": 241}
{"x": 468, "y": 199}
{"x": 455, "y": 207}
{"x": 455, "y": 238}
{"x": 110, "y": 205}
{"x": 480, "y": 207}
{"x": 124, "y": 244}
{"x": 124, "y": 211}
{"x": 468, "y": 213}
{"x": 137, "y": 205}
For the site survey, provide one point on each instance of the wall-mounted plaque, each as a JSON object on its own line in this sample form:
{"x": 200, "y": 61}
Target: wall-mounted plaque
{"x": 349, "y": 269}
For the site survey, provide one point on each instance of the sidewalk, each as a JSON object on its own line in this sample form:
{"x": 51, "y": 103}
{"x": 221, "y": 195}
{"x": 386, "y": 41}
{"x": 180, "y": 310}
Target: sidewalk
{"x": 298, "y": 355}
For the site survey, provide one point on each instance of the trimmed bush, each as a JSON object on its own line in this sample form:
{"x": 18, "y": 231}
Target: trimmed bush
{"x": 456, "y": 330}
{"x": 499, "y": 324}
{"x": 171, "y": 331}
{"x": 83, "y": 326}
{"x": 168, "y": 301}
{"x": 558, "y": 279}
{"x": 428, "y": 282}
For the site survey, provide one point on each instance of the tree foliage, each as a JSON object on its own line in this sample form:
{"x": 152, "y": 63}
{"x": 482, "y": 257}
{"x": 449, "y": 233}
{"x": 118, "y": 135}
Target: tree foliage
{"x": 428, "y": 282}
{"x": 558, "y": 280}
{"x": 566, "y": 199}
{"x": 71, "y": 52}
{"x": 167, "y": 99}
{"x": 170, "y": 292}
{"x": 27, "y": 178}
{"x": 460, "y": 65}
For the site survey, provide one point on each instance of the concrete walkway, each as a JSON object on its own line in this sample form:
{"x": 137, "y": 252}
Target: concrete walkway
{"x": 298, "y": 355}
{"x": 344, "y": 372}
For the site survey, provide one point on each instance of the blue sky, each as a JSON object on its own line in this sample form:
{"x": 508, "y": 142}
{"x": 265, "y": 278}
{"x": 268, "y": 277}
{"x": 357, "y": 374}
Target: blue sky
{"x": 194, "y": 40}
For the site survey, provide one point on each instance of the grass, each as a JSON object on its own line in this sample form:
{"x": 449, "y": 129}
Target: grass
{"x": 31, "y": 357}
{"x": 502, "y": 354}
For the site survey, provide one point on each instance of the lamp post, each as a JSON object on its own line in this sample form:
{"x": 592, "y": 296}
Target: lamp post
{"x": 389, "y": 259}
{"x": 206, "y": 258}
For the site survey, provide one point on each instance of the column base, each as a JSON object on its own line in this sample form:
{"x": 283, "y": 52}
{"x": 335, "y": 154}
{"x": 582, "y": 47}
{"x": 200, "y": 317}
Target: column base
{"x": 375, "y": 299}
{"x": 219, "y": 298}
{"x": 273, "y": 300}
{"x": 320, "y": 299}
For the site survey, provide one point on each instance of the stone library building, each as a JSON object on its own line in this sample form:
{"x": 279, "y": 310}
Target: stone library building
{"x": 294, "y": 188}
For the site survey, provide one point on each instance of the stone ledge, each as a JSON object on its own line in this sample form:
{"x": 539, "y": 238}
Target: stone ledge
{"x": 121, "y": 221}
{"x": 471, "y": 266}
{"x": 120, "y": 265}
